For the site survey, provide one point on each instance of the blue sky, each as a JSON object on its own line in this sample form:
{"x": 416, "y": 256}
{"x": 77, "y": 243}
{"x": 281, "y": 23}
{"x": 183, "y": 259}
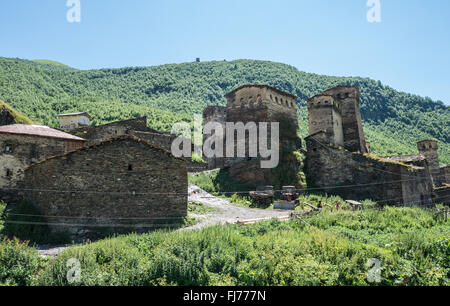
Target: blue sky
{"x": 408, "y": 50}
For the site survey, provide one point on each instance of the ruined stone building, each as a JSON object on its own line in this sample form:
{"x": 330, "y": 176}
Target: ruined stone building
{"x": 337, "y": 159}
{"x": 257, "y": 103}
{"x": 428, "y": 151}
{"x": 121, "y": 181}
{"x": 22, "y": 144}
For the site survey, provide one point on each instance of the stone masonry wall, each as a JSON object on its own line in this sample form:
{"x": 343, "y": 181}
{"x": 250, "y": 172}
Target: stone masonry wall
{"x": 5, "y": 116}
{"x": 356, "y": 176}
{"x": 442, "y": 195}
{"x": 120, "y": 182}
{"x": 264, "y": 104}
{"x": 324, "y": 115}
{"x": 445, "y": 172}
{"x": 214, "y": 114}
{"x": 27, "y": 149}
{"x": 349, "y": 102}
{"x": 95, "y": 134}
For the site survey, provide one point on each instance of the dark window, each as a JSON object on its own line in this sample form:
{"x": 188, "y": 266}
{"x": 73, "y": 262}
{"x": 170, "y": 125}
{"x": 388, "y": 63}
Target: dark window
{"x": 130, "y": 167}
{"x": 8, "y": 148}
{"x": 8, "y": 173}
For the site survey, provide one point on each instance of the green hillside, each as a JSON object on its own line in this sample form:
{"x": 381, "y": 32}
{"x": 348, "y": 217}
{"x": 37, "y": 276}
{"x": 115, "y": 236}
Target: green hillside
{"x": 49, "y": 62}
{"x": 393, "y": 120}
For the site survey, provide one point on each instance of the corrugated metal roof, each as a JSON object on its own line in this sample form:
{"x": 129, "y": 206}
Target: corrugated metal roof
{"x": 37, "y": 130}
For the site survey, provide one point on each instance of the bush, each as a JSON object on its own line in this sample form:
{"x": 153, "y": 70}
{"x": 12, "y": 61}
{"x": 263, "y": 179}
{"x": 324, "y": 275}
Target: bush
{"x": 412, "y": 247}
{"x": 24, "y": 222}
{"x": 18, "y": 263}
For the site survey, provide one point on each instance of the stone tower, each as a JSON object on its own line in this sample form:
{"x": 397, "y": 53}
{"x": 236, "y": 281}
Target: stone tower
{"x": 263, "y": 103}
{"x": 429, "y": 148}
{"x": 324, "y": 114}
{"x": 348, "y": 98}
{"x": 214, "y": 114}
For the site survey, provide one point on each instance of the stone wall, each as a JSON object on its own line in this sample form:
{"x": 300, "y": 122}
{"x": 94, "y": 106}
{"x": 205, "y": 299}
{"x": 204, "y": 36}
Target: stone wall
{"x": 27, "y": 149}
{"x": 256, "y": 104}
{"x": 5, "y": 117}
{"x": 357, "y": 176}
{"x": 324, "y": 115}
{"x": 159, "y": 139}
{"x": 442, "y": 195}
{"x": 260, "y": 103}
{"x": 445, "y": 172}
{"x": 95, "y": 134}
{"x": 73, "y": 122}
{"x": 120, "y": 182}
{"x": 348, "y": 98}
{"x": 429, "y": 148}
{"x": 214, "y": 114}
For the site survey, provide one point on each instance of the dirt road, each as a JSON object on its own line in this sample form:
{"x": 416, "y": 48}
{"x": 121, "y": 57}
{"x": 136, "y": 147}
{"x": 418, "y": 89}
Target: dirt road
{"x": 225, "y": 212}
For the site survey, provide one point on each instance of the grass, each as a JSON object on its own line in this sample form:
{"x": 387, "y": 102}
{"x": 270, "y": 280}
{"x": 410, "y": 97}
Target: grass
{"x": 49, "y": 62}
{"x": 199, "y": 208}
{"x": 330, "y": 248}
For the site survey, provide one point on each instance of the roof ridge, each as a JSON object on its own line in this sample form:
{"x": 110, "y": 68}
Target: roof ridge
{"x": 108, "y": 140}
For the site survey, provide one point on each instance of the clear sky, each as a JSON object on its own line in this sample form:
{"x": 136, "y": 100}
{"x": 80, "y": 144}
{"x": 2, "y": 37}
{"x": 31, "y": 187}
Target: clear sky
{"x": 408, "y": 50}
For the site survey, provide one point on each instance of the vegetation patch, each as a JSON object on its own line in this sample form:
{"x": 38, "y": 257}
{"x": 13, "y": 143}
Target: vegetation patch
{"x": 24, "y": 222}
{"x": 199, "y": 208}
{"x": 328, "y": 248}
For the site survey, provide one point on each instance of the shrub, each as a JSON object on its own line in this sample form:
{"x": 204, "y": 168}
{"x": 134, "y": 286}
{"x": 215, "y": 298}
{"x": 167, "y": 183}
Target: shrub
{"x": 24, "y": 222}
{"x": 18, "y": 262}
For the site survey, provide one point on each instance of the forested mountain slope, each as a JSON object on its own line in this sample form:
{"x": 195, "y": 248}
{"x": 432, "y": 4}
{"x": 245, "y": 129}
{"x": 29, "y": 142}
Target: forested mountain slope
{"x": 393, "y": 120}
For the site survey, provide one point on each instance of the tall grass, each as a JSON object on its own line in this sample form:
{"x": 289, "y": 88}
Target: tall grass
{"x": 411, "y": 244}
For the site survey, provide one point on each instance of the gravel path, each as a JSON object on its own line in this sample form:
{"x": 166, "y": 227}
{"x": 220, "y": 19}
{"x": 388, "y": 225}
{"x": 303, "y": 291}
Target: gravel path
{"x": 224, "y": 213}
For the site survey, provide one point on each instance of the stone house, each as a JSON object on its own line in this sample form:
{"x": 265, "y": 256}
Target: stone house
{"x": 72, "y": 121}
{"x": 137, "y": 127}
{"x": 21, "y": 145}
{"x": 120, "y": 182}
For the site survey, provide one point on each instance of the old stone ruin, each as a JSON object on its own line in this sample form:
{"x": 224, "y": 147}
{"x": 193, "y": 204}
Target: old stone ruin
{"x": 338, "y": 159}
{"x": 259, "y": 103}
{"x": 119, "y": 176}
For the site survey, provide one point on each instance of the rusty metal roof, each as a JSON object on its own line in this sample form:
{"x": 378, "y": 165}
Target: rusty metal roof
{"x": 37, "y": 130}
